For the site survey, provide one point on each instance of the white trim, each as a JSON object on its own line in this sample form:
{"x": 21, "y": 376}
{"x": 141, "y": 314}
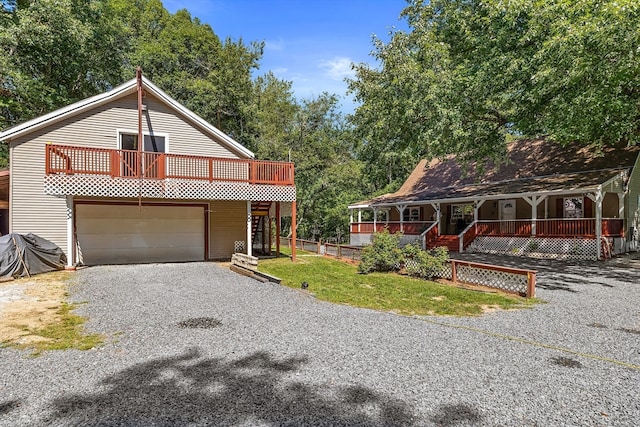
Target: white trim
{"x": 124, "y": 89}
{"x": 119, "y": 132}
{"x": 470, "y": 200}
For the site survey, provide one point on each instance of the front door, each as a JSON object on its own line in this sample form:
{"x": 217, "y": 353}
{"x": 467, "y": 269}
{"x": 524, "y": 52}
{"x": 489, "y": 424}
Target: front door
{"x": 507, "y": 216}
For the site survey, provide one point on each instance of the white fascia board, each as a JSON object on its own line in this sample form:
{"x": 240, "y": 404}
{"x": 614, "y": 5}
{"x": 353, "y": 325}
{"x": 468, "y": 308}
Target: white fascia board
{"x": 492, "y": 197}
{"x": 115, "y": 93}
{"x": 358, "y": 206}
{"x": 69, "y": 110}
{"x": 159, "y": 93}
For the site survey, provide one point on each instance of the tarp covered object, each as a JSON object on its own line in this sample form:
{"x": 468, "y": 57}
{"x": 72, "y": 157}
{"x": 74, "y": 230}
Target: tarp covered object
{"x": 24, "y": 254}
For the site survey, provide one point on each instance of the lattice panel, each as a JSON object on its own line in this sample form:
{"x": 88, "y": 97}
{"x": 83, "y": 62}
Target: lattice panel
{"x": 492, "y": 278}
{"x": 238, "y": 246}
{"x": 539, "y": 247}
{"x": 105, "y": 186}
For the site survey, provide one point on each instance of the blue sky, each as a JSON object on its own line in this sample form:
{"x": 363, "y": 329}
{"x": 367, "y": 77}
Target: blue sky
{"x": 311, "y": 43}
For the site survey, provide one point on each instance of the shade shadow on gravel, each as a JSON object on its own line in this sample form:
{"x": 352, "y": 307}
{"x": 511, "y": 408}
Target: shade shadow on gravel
{"x": 188, "y": 389}
{"x": 450, "y": 415}
{"x": 8, "y": 406}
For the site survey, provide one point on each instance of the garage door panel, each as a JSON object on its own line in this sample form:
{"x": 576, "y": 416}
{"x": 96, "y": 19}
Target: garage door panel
{"x": 116, "y": 234}
{"x": 172, "y": 240}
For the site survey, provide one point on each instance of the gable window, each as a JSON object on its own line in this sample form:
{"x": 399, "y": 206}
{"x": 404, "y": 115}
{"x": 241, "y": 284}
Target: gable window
{"x": 411, "y": 215}
{"x": 130, "y": 162}
{"x": 152, "y": 143}
{"x": 574, "y": 207}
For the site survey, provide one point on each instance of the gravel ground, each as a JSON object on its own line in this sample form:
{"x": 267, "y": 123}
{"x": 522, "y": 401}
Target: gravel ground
{"x": 195, "y": 344}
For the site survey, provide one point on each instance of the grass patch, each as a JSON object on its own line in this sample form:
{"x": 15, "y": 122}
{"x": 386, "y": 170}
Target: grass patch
{"x": 42, "y": 319}
{"x": 67, "y": 333}
{"x": 339, "y": 282}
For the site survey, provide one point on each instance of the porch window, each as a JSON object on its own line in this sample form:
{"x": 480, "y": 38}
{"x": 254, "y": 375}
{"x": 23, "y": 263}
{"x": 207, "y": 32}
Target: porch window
{"x": 461, "y": 213}
{"x": 574, "y": 207}
{"x": 411, "y": 215}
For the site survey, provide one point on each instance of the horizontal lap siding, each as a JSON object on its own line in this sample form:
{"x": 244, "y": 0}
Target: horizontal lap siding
{"x": 33, "y": 211}
{"x": 228, "y": 224}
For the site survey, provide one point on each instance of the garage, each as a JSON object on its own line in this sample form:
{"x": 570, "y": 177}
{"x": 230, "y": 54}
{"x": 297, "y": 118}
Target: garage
{"x": 125, "y": 233}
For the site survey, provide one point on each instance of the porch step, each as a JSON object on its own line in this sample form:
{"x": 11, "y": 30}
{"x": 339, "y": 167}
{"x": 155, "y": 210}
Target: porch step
{"x": 450, "y": 241}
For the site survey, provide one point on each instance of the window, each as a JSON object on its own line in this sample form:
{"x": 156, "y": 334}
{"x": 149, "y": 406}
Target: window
{"x": 461, "y": 213}
{"x": 574, "y": 207}
{"x": 131, "y": 163}
{"x": 152, "y": 143}
{"x": 411, "y": 215}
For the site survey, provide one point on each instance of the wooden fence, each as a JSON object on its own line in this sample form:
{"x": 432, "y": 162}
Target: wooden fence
{"x": 512, "y": 280}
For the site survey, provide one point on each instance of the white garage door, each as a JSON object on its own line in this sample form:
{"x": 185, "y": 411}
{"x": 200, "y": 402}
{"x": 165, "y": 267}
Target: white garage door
{"x": 123, "y": 234}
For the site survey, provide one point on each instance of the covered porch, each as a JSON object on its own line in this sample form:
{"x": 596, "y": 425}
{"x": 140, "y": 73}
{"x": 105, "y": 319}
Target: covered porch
{"x": 578, "y": 221}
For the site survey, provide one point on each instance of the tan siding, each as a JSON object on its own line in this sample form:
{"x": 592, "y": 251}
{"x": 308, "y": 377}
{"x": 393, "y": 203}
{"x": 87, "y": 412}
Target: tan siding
{"x": 228, "y": 222}
{"x": 632, "y": 205}
{"x": 33, "y": 211}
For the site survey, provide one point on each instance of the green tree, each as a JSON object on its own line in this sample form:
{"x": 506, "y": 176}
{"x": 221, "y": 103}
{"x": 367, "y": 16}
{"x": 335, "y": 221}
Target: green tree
{"x": 55, "y": 53}
{"x": 471, "y": 74}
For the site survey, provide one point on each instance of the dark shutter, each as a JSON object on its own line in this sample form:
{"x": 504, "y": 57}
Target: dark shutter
{"x": 559, "y": 208}
{"x": 588, "y": 208}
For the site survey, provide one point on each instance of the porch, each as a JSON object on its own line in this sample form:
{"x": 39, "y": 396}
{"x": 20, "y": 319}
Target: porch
{"x": 585, "y": 225}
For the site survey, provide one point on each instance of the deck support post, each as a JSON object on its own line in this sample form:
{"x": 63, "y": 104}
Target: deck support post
{"x": 249, "y": 229}
{"x": 293, "y": 231}
{"x": 401, "y": 209}
{"x": 71, "y": 253}
{"x": 277, "y": 229}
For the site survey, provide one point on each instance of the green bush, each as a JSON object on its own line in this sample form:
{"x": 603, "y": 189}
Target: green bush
{"x": 424, "y": 264}
{"x": 383, "y": 254}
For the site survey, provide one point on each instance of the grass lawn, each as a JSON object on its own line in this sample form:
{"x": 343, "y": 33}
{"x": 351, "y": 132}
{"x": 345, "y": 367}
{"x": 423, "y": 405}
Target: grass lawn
{"x": 338, "y": 282}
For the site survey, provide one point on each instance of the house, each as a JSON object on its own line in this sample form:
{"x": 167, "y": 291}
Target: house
{"x": 132, "y": 176}
{"x": 545, "y": 200}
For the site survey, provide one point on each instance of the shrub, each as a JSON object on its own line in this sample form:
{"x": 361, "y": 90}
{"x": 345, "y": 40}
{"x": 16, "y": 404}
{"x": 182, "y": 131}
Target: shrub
{"x": 383, "y": 254}
{"x": 424, "y": 264}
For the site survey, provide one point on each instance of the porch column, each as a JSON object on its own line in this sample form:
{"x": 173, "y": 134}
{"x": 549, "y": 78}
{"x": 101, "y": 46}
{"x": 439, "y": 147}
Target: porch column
{"x": 249, "y": 229}
{"x": 71, "y": 253}
{"x": 599, "y": 197}
{"x": 534, "y": 201}
{"x": 359, "y": 218}
{"x": 621, "y": 206}
{"x": 277, "y": 229}
{"x": 350, "y": 218}
{"x": 436, "y": 206}
{"x": 293, "y": 230}
{"x": 401, "y": 209}
{"x": 534, "y": 214}
{"x": 476, "y": 208}
{"x": 375, "y": 219}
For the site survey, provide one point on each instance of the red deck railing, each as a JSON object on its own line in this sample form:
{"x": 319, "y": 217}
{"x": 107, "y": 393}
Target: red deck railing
{"x": 582, "y": 227}
{"x": 70, "y": 160}
{"x": 409, "y": 227}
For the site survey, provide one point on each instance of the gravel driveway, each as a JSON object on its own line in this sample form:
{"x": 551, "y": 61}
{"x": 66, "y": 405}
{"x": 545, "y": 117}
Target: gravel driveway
{"x": 279, "y": 357}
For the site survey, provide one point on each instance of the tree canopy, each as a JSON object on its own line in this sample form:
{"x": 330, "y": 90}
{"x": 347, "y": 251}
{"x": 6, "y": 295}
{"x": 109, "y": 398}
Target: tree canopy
{"x": 471, "y": 74}
{"x": 56, "y": 52}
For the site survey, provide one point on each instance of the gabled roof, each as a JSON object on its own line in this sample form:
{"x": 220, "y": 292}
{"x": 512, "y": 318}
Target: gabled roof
{"x": 124, "y": 89}
{"x": 532, "y": 166}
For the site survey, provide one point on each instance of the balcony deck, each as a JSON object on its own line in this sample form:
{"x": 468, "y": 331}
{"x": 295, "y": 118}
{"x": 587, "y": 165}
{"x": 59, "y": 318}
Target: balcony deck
{"x": 103, "y": 172}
